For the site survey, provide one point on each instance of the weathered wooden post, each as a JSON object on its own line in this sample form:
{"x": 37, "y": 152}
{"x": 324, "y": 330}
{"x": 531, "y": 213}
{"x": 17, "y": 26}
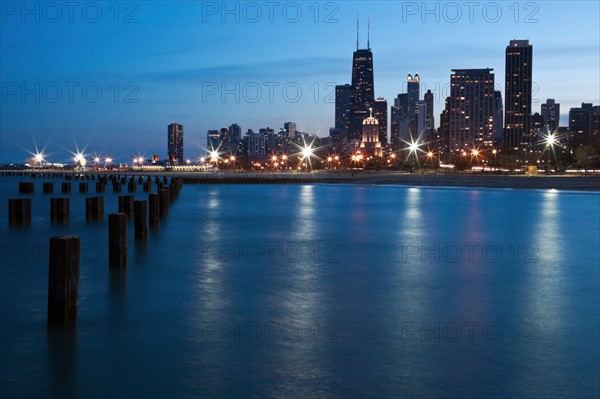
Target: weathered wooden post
{"x": 59, "y": 210}
{"x": 141, "y": 220}
{"x": 154, "y": 210}
{"x": 48, "y": 187}
{"x": 163, "y": 201}
{"x": 26, "y": 187}
{"x": 94, "y": 209}
{"x": 19, "y": 212}
{"x": 117, "y": 240}
{"x": 63, "y": 281}
{"x": 66, "y": 187}
{"x": 131, "y": 186}
{"x": 126, "y": 205}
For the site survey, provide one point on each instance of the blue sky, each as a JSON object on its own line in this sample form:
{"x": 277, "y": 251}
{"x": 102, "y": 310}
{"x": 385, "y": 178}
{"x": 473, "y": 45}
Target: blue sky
{"x": 111, "y": 78}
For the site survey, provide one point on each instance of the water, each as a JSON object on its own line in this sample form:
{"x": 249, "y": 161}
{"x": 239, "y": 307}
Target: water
{"x": 316, "y": 291}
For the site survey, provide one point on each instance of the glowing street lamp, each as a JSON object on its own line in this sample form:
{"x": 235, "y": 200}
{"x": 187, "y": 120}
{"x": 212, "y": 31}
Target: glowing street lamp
{"x": 550, "y": 142}
{"x": 39, "y": 158}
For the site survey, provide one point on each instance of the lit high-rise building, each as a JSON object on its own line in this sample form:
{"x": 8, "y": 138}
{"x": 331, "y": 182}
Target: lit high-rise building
{"x": 175, "y": 143}
{"x": 551, "y": 114}
{"x": 584, "y": 124}
{"x": 369, "y": 144}
{"x": 471, "y": 109}
{"x": 363, "y": 91}
{"x": 517, "y": 107}
{"x": 413, "y": 93}
{"x": 498, "y": 117}
{"x": 429, "y": 118}
{"x": 380, "y": 113}
{"x": 213, "y": 140}
{"x": 343, "y": 107}
{"x": 420, "y": 120}
{"x": 235, "y": 135}
{"x": 290, "y": 129}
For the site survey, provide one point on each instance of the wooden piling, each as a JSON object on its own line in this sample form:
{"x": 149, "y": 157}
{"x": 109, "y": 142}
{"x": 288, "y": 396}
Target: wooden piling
{"x": 141, "y": 220}
{"x": 131, "y": 186}
{"x": 163, "y": 201}
{"x": 117, "y": 240}
{"x": 19, "y": 212}
{"x": 94, "y": 209}
{"x": 153, "y": 210}
{"x": 63, "y": 281}
{"x": 66, "y": 188}
{"x": 48, "y": 187}
{"x": 26, "y": 187}
{"x": 59, "y": 210}
{"x": 126, "y": 205}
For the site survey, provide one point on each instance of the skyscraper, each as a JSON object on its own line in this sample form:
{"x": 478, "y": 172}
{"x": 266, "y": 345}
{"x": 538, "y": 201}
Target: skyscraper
{"x": 429, "y": 118}
{"x": 224, "y": 139}
{"x": 175, "y": 143}
{"x": 498, "y": 117}
{"x": 471, "y": 116}
{"x": 551, "y": 114}
{"x": 420, "y": 120}
{"x": 370, "y": 144}
{"x": 363, "y": 92}
{"x": 290, "y": 128}
{"x": 518, "y": 83}
{"x": 584, "y": 124}
{"x": 235, "y": 135}
{"x": 343, "y": 107}
{"x": 413, "y": 93}
{"x": 213, "y": 140}
{"x": 380, "y": 113}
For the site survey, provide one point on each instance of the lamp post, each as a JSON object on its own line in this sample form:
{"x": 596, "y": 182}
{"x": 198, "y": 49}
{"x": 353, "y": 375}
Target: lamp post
{"x": 550, "y": 141}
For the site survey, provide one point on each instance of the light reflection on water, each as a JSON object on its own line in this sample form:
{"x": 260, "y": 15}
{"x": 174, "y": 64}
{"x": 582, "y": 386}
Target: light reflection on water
{"x": 195, "y": 314}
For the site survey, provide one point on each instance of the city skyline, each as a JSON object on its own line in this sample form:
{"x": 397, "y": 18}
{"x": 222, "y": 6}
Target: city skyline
{"x": 62, "y": 124}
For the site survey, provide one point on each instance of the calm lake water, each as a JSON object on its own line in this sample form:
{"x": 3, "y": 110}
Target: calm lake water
{"x": 315, "y": 291}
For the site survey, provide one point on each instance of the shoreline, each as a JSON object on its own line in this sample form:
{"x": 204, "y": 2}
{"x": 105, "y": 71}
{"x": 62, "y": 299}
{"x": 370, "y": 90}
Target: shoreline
{"x": 481, "y": 180}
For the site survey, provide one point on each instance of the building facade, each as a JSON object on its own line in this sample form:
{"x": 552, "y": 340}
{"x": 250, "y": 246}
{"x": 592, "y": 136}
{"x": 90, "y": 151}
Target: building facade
{"x": 518, "y": 86}
{"x": 175, "y": 143}
{"x": 551, "y": 113}
{"x": 471, "y": 109}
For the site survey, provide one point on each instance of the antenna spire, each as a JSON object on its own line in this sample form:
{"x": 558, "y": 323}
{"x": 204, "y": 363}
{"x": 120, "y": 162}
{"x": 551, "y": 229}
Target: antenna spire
{"x": 357, "y": 30}
{"x": 369, "y": 32}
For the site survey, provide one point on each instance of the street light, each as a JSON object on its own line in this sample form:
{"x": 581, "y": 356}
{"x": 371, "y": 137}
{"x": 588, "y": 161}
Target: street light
{"x": 39, "y": 158}
{"x": 550, "y": 141}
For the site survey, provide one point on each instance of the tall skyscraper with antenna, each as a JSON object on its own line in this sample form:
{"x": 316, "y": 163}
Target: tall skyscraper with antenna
{"x": 363, "y": 93}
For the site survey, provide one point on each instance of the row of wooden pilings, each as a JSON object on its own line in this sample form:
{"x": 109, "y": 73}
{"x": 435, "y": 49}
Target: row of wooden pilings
{"x": 64, "y": 254}
{"x": 19, "y": 209}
